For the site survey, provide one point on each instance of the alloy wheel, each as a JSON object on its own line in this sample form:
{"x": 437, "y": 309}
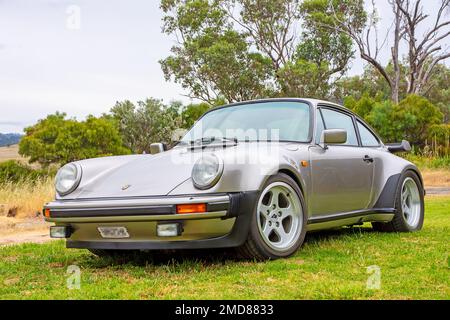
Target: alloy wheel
{"x": 279, "y": 216}
{"x": 410, "y": 202}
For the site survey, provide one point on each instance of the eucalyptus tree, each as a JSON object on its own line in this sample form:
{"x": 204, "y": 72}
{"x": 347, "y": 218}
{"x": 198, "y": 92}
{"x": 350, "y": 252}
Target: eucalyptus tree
{"x": 422, "y": 32}
{"x": 244, "y": 49}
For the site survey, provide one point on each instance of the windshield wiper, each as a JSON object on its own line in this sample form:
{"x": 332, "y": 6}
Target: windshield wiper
{"x": 211, "y": 139}
{"x": 207, "y": 140}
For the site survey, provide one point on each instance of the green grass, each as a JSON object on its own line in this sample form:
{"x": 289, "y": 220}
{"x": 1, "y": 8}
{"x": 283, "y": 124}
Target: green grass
{"x": 424, "y": 162}
{"x": 331, "y": 264}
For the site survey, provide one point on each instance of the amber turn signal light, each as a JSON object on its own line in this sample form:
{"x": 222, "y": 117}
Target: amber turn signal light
{"x": 47, "y": 213}
{"x": 191, "y": 208}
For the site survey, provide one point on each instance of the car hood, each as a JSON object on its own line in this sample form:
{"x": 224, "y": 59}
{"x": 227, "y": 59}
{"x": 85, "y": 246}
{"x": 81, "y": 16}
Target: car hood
{"x": 136, "y": 175}
{"x": 156, "y": 175}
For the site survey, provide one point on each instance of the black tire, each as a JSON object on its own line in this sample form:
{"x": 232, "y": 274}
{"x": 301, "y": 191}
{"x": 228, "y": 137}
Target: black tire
{"x": 398, "y": 223}
{"x": 255, "y": 247}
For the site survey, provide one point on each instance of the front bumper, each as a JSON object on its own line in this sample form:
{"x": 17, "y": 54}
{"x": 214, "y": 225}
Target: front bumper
{"x": 225, "y": 224}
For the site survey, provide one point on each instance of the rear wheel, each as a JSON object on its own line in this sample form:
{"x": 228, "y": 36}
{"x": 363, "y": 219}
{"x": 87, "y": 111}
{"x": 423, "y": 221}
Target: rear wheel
{"x": 409, "y": 206}
{"x": 278, "y": 224}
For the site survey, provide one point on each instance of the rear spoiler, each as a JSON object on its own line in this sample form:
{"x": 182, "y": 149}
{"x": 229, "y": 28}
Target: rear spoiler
{"x": 403, "y": 146}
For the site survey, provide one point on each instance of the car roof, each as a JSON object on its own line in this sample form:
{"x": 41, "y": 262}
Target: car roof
{"x": 313, "y": 102}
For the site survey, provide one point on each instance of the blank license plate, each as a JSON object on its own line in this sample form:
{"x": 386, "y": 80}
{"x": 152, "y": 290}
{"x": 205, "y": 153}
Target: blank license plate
{"x": 113, "y": 232}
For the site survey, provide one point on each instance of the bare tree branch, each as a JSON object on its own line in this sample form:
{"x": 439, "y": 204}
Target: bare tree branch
{"x": 420, "y": 55}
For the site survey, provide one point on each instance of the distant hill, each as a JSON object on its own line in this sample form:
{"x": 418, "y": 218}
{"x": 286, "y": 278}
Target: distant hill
{"x": 7, "y": 139}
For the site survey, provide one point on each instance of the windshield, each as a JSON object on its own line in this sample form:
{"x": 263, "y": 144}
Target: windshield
{"x": 262, "y": 121}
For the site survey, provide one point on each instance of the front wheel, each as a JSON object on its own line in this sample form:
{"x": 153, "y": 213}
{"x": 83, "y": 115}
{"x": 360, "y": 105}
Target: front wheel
{"x": 409, "y": 205}
{"x": 278, "y": 223}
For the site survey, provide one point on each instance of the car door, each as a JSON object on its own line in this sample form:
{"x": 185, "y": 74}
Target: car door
{"x": 371, "y": 145}
{"x": 342, "y": 174}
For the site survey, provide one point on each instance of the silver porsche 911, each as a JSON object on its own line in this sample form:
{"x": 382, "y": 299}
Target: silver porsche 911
{"x": 254, "y": 175}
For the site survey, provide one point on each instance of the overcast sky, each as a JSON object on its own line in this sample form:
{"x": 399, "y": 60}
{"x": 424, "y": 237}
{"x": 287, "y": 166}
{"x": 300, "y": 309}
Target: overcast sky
{"x": 50, "y": 60}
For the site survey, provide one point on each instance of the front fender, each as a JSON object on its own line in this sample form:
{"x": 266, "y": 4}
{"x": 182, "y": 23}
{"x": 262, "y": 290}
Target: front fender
{"x": 248, "y": 176}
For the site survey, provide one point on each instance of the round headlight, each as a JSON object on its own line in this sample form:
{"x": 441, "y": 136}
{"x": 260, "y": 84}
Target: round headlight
{"x": 207, "y": 171}
{"x": 67, "y": 178}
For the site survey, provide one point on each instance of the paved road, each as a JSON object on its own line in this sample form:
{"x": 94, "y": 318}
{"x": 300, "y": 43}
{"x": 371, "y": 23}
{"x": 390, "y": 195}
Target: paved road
{"x": 438, "y": 190}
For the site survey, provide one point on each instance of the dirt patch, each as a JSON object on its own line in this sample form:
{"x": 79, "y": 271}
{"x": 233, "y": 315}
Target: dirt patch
{"x": 11, "y": 281}
{"x": 25, "y": 237}
{"x": 10, "y": 153}
{"x": 436, "y": 178}
{"x": 21, "y": 230}
{"x": 9, "y": 225}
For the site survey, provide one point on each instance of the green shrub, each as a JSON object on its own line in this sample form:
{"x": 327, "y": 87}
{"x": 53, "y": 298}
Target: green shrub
{"x": 363, "y": 107}
{"x": 192, "y": 112}
{"x": 413, "y": 119}
{"x": 380, "y": 118}
{"x": 414, "y": 116}
{"x": 146, "y": 122}
{"x": 15, "y": 171}
{"x": 57, "y": 140}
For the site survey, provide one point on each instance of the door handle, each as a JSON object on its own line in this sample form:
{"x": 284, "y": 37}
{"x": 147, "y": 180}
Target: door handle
{"x": 367, "y": 158}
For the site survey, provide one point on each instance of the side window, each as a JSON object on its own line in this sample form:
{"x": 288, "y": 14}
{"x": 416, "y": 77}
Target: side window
{"x": 319, "y": 126}
{"x": 337, "y": 120}
{"x": 367, "y": 138}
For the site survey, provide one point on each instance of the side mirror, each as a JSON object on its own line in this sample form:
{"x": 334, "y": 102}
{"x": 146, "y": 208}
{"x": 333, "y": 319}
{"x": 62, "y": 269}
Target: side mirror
{"x": 403, "y": 146}
{"x": 333, "y": 136}
{"x": 157, "y": 148}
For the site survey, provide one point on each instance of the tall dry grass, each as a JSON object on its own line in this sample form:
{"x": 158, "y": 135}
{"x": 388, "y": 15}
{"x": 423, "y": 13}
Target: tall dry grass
{"x": 25, "y": 199}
